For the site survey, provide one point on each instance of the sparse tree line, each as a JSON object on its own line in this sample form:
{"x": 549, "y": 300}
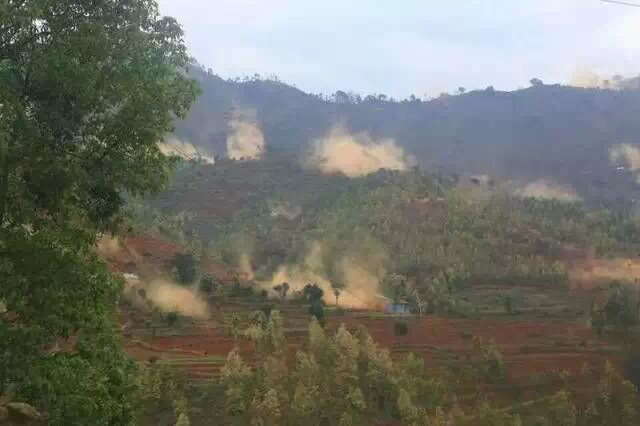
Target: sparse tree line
{"x": 344, "y": 378}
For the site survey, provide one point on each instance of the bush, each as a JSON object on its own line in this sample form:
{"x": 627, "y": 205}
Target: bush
{"x": 208, "y": 285}
{"x": 400, "y": 328}
{"x": 185, "y": 267}
{"x": 172, "y": 318}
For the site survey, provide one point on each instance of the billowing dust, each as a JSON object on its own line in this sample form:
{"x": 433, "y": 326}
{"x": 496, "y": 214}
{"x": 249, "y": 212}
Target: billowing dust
{"x": 360, "y": 275}
{"x": 591, "y": 273}
{"x": 356, "y": 154}
{"x": 174, "y": 146}
{"x": 244, "y": 263}
{"x": 547, "y": 190}
{"x": 627, "y": 155}
{"x": 245, "y": 140}
{"x": 166, "y": 296}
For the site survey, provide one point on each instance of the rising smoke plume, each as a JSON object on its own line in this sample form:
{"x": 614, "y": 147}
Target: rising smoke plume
{"x": 174, "y": 146}
{"x": 360, "y": 275}
{"x": 545, "y": 189}
{"x": 356, "y": 154}
{"x": 245, "y": 139}
{"x": 166, "y": 296}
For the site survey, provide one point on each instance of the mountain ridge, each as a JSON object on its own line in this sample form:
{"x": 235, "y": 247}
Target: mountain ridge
{"x": 555, "y": 132}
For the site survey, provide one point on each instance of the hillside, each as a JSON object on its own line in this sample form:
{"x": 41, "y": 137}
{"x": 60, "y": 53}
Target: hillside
{"x": 538, "y": 288}
{"x": 276, "y": 221}
{"x": 486, "y": 273}
{"x": 545, "y": 131}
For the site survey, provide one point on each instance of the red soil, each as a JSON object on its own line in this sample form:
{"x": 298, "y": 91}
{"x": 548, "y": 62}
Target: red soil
{"x": 527, "y": 347}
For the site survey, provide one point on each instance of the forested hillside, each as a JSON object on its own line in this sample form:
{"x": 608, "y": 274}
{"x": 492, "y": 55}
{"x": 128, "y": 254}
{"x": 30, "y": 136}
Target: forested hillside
{"x": 545, "y": 131}
{"x": 275, "y": 220}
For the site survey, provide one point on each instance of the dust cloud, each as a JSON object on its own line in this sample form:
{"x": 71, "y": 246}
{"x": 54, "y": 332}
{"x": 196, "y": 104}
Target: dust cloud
{"x": 545, "y": 189}
{"x": 356, "y": 154}
{"x": 591, "y": 273}
{"x": 360, "y": 275}
{"x": 586, "y": 78}
{"x": 244, "y": 264}
{"x": 174, "y": 146}
{"x": 589, "y": 79}
{"x": 108, "y": 245}
{"x": 626, "y": 154}
{"x": 245, "y": 140}
{"x": 243, "y": 248}
{"x": 285, "y": 211}
{"x": 167, "y": 296}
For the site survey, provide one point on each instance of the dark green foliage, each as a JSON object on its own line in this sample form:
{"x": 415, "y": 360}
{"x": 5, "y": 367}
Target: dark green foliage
{"x": 313, "y": 293}
{"x": 632, "y": 369}
{"x": 208, "y": 285}
{"x": 185, "y": 266}
{"x": 87, "y": 89}
{"x": 400, "y": 328}
{"x": 620, "y": 310}
{"x": 316, "y": 310}
{"x": 507, "y": 301}
{"x": 172, "y": 319}
{"x": 337, "y": 379}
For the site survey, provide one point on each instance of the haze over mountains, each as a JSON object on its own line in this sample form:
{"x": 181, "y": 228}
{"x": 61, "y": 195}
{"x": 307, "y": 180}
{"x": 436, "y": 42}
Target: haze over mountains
{"x": 545, "y": 133}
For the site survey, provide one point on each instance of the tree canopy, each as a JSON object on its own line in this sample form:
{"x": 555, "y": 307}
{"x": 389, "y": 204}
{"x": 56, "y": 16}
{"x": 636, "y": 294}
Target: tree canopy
{"x": 87, "y": 89}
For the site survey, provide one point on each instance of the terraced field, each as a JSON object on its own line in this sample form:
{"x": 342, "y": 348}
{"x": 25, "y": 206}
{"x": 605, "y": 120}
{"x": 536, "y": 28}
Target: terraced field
{"x": 528, "y": 346}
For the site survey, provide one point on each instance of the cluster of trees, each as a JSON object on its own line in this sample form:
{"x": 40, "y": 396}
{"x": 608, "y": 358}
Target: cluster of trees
{"x": 342, "y": 377}
{"x": 620, "y": 311}
{"x": 86, "y": 91}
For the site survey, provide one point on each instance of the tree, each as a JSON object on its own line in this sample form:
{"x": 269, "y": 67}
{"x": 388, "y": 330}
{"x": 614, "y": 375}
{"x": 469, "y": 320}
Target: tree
{"x": 337, "y": 288}
{"x": 185, "y": 267}
{"x": 341, "y": 97}
{"x": 336, "y": 379}
{"x": 282, "y": 290}
{"x": 614, "y": 402}
{"x": 396, "y": 284}
{"x": 208, "y": 285}
{"x": 536, "y": 82}
{"x": 86, "y": 91}
{"x": 507, "y": 302}
{"x": 562, "y": 410}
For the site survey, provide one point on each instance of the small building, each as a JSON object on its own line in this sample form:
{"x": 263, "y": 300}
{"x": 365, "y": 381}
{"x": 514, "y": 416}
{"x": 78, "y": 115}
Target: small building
{"x": 397, "y": 309}
{"x": 400, "y": 307}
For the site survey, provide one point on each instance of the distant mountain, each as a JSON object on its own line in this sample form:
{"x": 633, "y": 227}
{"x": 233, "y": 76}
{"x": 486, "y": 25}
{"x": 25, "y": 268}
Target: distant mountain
{"x": 555, "y": 132}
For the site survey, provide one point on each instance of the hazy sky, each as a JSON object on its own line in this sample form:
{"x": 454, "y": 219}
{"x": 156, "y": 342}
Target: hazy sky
{"x": 399, "y": 47}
